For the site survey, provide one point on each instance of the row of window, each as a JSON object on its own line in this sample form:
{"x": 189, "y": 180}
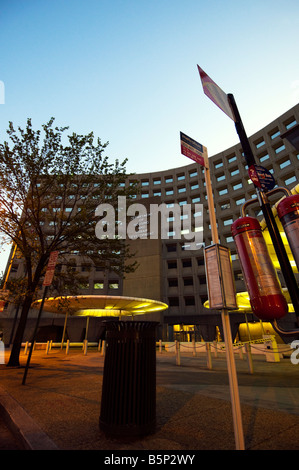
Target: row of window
{"x": 175, "y": 302}
{"x": 171, "y": 191}
{"x": 84, "y": 268}
{"x": 236, "y": 186}
{"x": 169, "y": 179}
{"x": 174, "y": 282}
{"x": 186, "y": 263}
{"x": 100, "y": 285}
{"x": 259, "y": 143}
{"x": 189, "y": 300}
{"x": 221, "y": 192}
{"x": 274, "y": 133}
{"x": 287, "y": 181}
{"x": 262, "y": 158}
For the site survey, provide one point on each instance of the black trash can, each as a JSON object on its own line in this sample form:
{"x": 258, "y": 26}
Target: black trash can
{"x": 128, "y": 406}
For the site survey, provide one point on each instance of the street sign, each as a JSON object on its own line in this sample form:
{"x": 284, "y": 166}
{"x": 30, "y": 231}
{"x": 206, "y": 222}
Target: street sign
{"x": 220, "y": 281}
{"x": 261, "y": 177}
{"x": 50, "y": 268}
{"x": 192, "y": 149}
{"x": 214, "y": 92}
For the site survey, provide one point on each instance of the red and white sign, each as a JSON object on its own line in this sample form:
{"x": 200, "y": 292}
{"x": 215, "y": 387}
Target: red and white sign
{"x": 214, "y": 92}
{"x": 51, "y": 268}
{"x": 192, "y": 149}
{"x": 254, "y": 176}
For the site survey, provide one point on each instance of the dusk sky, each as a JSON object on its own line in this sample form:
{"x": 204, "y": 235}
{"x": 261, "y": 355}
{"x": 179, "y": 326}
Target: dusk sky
{"x": 127, "y": 70}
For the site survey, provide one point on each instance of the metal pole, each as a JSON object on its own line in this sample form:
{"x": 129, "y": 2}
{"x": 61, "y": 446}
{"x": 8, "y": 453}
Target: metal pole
{"x": 214, "y": 229}
{"x": 230, "y": 358}
{"x": 249, "y": 157}
{"x": 86, "y": 328}
{"x": 209, "y": 356}
{"x": 233, "y": 382}
{"x": 63, "y": 333}
{"x": 248, "y": 329}
{"x": 34, "y": 334}
{"x": 177, "y": 353}
{"x": 249, "y": 357}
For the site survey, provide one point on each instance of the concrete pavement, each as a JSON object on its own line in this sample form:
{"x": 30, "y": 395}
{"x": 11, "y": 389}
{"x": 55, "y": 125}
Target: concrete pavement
{"x": 59, "y": 406}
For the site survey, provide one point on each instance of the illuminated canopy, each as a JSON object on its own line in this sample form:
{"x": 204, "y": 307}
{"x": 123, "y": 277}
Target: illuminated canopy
{"x": 101, "y": 305}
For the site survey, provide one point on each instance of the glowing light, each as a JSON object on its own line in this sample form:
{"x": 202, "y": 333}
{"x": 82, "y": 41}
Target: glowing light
{"x": 101, "y": 305}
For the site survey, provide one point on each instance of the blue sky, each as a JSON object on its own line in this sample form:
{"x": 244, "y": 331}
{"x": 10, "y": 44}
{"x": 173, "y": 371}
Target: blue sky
{"x": 127, "y": 70}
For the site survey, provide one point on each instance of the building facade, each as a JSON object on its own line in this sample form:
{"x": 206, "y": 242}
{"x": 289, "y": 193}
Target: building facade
{"x": 168, "y": 271}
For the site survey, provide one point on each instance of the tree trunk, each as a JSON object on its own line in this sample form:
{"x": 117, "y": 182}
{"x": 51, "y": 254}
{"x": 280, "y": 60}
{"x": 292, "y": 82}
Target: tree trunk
{"x": 17, "y": 343}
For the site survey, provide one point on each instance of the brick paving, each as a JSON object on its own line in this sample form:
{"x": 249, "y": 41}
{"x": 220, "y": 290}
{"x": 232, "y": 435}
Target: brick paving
{"x": 62, "y": 395}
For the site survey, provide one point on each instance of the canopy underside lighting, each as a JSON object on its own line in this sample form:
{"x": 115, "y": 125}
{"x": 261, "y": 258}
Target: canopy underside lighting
{"x": 100, "y": 305}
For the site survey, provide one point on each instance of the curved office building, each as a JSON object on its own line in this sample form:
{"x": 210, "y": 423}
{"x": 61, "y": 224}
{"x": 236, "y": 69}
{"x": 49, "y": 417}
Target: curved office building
{"x": 168, "y": 270}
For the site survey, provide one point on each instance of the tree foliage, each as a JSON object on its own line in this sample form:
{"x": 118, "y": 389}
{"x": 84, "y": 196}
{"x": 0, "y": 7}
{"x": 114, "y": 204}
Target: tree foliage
{"x": 50, "y": 186}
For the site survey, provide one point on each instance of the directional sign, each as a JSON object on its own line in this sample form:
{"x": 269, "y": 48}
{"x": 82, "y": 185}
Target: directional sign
{"x": 261, "y": 177}
{"x": 192, "y": 149}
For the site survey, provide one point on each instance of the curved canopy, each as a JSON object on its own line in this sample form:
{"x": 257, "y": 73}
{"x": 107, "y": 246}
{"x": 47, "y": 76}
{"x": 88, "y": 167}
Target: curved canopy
{"x": 101, "y": 305}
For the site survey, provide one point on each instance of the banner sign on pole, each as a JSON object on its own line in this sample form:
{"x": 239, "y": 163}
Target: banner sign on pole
{"x": 50, "y": 268}
{"x": 220, "y": 280}
{"x": 214, "y": 92}
{"x": 192, "y": 149}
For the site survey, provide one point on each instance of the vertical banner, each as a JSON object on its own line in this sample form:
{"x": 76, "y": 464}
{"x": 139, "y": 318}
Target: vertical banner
{"x": 51, "y": 268}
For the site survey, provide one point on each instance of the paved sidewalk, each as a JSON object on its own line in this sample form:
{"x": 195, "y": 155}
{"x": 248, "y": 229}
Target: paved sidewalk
{"x": 8, "y": 440}
{"x": 59, "y": 406}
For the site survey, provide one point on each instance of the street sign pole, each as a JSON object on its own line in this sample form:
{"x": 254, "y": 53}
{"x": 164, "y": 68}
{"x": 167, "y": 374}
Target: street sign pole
{"x": 199, "y": 153}
{"x": 230, "y": 358}
{"x": 279, "y": 247}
